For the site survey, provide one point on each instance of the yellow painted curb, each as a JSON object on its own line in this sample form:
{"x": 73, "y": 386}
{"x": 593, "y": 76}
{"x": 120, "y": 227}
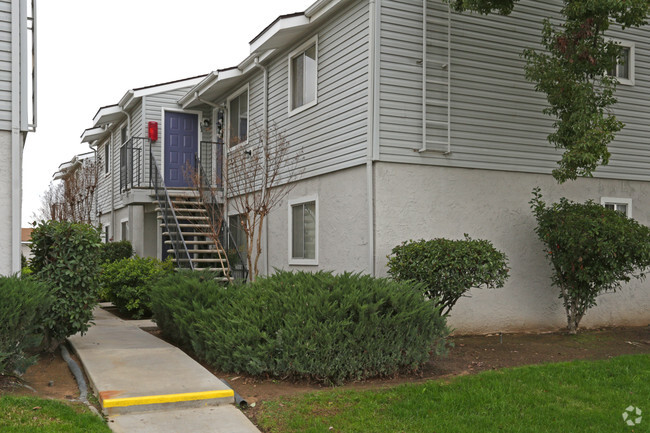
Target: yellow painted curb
{"x": 167, "y": 398}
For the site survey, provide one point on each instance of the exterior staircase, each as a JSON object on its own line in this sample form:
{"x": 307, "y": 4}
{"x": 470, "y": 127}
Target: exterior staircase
{"x": 203, "y": 251}
{"x": 188, "y": 217}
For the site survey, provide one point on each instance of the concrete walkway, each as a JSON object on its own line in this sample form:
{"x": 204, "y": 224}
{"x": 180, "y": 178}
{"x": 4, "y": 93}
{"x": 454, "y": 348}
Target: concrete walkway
{"x": 147, "y": 385}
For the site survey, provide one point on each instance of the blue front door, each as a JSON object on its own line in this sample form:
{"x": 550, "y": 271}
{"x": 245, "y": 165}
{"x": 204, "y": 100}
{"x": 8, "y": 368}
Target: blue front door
{"x": 181, "y": 146}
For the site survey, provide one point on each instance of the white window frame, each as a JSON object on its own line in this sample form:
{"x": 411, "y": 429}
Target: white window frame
{"x": 631, "y": 67}
{"x": 300, "y": 50}
{"x": 291, "y": 204}
{"x": 618, "y": 201}
{"x": 122, "y": 234}
{"x": 107, "y": 158}
{"x": 107, "y": 233}
{"x": 244, "y": 88}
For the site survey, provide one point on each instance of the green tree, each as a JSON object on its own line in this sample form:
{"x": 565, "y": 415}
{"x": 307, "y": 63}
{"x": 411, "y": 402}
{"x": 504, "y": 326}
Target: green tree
{"x": 592, "y": 250}
{"x": 572, "y": 71}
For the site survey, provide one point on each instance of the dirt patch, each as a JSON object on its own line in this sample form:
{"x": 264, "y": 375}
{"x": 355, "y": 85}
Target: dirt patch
{"x": 50, "y": 377}
{"x": 469, "y": 355}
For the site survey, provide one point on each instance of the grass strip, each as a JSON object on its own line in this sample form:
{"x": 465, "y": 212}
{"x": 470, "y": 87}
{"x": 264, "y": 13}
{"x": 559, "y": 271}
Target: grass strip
{"x": 31, "y": 414}
{"x": 579, "y": 396}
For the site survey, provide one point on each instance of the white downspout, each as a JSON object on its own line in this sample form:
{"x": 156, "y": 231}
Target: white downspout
{"x": 371, "y": 138}
{"x": 16, "y": 142}
{"x": 424, "y": 77}
{"x": 265, "y": 126}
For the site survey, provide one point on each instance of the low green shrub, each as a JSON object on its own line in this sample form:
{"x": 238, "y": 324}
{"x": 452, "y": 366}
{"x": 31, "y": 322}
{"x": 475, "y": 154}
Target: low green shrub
{"x": 318, "y": 326}
{"x": 114, "y": 251}
{"x": 449, "y": 268}
{"x": 66, "y": 259}
{"x": 127, "y": 283}
{"x": 23, "y": 303}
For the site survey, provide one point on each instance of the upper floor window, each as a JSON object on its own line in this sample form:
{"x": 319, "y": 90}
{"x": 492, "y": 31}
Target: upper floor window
{"x": 107, "y": 157}
{"x": 238, "y": 112}
{"x": 123, "y": 134}
{"x": 624, "y": 69}
{"x": 303, "y": 76}
{"x": 622, "y": 205}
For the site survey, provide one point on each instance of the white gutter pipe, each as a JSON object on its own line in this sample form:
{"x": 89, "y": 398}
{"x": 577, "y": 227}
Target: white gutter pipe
{"x": 265, "y": 135}
{"x": 16, "y": 142}
{"x": 371, "y": 137}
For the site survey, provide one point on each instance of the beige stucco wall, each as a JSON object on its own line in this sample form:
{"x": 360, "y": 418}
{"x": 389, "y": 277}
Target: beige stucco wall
{"x": 414, "y": 202}
{"x": 342, "y": 218}
{"x": 10, "y": 251}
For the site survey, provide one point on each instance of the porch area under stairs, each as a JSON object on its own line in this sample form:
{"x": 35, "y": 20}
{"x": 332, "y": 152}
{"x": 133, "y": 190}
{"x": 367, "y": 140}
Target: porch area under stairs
{"x": 197, "y": 234}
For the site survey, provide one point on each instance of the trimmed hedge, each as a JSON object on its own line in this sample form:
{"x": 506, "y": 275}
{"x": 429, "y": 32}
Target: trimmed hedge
{"x": 318, "y": 326}
{"x": 127, "y": 283}
{"x": 114, "y": 251}
{"x": 23, "y": 302}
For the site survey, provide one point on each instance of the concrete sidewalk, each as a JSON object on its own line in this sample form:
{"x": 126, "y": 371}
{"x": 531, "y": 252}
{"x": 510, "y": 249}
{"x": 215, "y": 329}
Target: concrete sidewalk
{"x": 147, "y": 385}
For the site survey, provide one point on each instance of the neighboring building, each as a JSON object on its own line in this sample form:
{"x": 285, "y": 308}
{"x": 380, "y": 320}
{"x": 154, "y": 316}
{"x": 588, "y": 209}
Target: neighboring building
{"x": 26, "y": 242}
{"x": 17, "y": 77}
{"x": 396, "y": 147}
{"x": 76, "y": 195}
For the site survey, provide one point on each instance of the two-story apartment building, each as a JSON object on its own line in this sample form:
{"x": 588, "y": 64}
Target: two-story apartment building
{"x": 411, "y": 122}
{"x": 17, "y": 79}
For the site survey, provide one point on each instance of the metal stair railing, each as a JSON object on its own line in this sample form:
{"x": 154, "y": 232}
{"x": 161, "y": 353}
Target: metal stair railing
{"x": 172, "y": 227}
{"x": 218, "y": 221}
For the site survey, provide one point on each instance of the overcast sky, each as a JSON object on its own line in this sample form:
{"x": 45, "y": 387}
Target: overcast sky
{"x": 91, "y": 52}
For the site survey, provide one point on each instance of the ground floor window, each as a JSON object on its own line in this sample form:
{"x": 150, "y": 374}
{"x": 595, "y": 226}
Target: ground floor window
{"x": 303, "y": 232}
{"x": 107, "y": 233}
{"x": 623, "y": 205}
{"x": 238, "y": 238}
{"x": 125, "y": 230}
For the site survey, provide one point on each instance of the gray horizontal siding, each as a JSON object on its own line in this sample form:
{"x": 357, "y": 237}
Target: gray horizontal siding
{"x": 103, "y": 181}
{"x": 332, "y": 134}
{"x": 5, "y": 64}
{"x": 496, "y": 116}
{"x": 153, "y": 113}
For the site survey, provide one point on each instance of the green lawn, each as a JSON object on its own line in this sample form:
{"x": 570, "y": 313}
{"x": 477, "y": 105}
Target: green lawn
{"x": 577, "y": 396}
{"x": 30, "y": 415}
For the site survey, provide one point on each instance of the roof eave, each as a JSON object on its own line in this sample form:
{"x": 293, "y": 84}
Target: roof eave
{"x": 267, "y": 39}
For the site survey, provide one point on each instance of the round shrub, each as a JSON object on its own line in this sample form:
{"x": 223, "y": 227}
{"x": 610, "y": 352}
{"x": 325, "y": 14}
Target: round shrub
{"x": 23, "y": 303}
{"x": 66, "y": 259}
{"x": 126, "y": 283}
{"x": 318, "y": 326}
{"x": 449, "y": 268}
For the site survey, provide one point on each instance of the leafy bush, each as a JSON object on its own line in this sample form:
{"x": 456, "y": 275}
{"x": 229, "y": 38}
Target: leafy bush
{"x": 591, "y": 248}
{"x": 320, "y": 326}
{"x": 448, "y": 268}
{"x": 23, "y": 303}
{"x": 126, "y": 283}
{"x": 66, "y": 259}
{"x": 114, "y": 251}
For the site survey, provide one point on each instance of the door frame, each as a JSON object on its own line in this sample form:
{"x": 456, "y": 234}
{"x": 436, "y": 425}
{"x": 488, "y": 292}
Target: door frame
{"x": 199, "y": 122}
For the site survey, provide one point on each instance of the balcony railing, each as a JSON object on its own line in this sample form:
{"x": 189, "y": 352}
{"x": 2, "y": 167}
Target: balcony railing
{"x": 134, "y": 169}
{"x": 211, "y": 157}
